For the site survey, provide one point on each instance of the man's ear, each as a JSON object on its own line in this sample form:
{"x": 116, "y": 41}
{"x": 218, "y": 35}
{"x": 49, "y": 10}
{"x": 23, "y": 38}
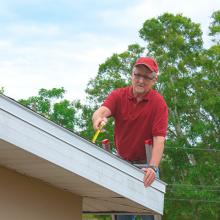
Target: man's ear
{"x": 155, "y": 79}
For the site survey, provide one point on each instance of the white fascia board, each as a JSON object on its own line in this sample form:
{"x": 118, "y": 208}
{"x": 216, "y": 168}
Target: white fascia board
{"x": 75, "y": 154}
{"x": 63, "y": 134}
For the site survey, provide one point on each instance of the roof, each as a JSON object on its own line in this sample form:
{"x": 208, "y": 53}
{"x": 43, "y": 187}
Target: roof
{"x": 34, "y": 146}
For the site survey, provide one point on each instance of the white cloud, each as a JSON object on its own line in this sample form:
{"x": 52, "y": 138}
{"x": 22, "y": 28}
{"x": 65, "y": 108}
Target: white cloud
{"x": 4, "y": 43}
{"x": 33, "y": 29}
{"x": 134, "y": 15}
{"x": 5, "y": 12}
{"x": 45, "y": 55}
{"x": 54, "y": 64}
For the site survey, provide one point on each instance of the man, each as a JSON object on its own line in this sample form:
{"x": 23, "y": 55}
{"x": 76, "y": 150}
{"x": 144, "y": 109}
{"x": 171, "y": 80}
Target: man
{"x": 140, "y": 113}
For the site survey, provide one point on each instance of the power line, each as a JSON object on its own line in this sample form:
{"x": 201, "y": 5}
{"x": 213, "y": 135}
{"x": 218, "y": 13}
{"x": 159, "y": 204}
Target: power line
{"x": 190, "y": 185}
{"x": 207, "y": 190}
{"x": 193, "y": 200}
{"x": 193, "y": 148}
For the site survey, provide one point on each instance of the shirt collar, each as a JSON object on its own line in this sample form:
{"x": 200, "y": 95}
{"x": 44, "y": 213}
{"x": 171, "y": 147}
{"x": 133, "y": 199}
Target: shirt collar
{"x": 131, "y": 95}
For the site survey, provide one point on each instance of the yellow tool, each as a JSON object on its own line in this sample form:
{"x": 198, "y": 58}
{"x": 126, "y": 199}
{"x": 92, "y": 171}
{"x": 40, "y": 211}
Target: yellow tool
{"x": 98, "y": 131}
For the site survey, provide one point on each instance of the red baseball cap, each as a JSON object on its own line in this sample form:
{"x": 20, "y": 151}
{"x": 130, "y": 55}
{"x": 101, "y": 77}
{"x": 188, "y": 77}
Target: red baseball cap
{"x": 148, "y": 62}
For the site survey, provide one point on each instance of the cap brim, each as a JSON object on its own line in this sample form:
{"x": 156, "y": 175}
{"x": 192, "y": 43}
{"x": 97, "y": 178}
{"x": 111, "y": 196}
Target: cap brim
{"x": 144, "y": 65}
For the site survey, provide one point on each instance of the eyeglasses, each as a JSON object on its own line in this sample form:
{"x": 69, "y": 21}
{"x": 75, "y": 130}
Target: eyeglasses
{"x": 145, "y": 78}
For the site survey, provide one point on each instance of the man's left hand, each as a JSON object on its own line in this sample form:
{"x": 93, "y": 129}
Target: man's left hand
{"x": 149, "y": 176}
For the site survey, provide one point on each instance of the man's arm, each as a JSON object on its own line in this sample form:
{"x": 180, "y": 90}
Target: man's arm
{"x": 157, "y": 153}
{"x": 101, "y": 114}
{"x": 157, "y": 150}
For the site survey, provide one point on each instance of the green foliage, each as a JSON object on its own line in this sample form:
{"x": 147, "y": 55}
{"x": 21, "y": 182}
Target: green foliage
{"x": 115, "y": 72}
{"x": 2, "y": 90}
{"x": 96, "y": 217}
{"x": 215, "y": 27}
{"x": 62, "y": 112}
{"x": 190, "y": 82}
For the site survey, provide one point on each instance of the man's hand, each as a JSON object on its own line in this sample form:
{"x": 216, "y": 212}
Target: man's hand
{"x": 100, "y": 116}
{"x": 149, "y": 176}
{"x": 98, "y": 122}
{"x": 157, "y": 152}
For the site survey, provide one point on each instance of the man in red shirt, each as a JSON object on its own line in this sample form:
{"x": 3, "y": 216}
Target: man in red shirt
{"x": 140, "y": 113}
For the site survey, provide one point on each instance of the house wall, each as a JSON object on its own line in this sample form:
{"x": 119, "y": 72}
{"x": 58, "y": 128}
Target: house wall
{"x": 26, "y": 198}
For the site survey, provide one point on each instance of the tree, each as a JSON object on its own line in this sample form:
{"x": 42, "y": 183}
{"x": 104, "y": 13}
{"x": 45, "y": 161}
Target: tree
{"x": 189, "y": 80}
{"x": 115, "y": 72}
{"x": 176, "y": 42}
{"x": 50, "y": 104}
{"x": 183, "y": 60}
{"x": 1, "y": 90}
{"x": 215, "y": 27}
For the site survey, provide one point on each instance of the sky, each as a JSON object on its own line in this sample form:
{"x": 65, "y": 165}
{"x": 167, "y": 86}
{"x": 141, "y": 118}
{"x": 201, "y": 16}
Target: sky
{"x": 61, "y": 43}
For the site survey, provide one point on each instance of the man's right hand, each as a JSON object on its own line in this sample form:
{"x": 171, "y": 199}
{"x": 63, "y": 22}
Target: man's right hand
{"x": 99, "y": 116}
{"x": 99, "y": 122}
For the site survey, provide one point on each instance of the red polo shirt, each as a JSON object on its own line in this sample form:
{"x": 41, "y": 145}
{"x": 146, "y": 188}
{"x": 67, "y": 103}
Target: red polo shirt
{"x": 136, "y": 122}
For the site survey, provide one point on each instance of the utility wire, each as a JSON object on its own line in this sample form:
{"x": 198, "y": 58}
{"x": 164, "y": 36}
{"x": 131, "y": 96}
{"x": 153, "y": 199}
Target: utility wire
{"x": 207, "y": 190}
{"x": 193, "y": 148}
{"x": 189, "y": 185}
{"x": 193, "y": 200}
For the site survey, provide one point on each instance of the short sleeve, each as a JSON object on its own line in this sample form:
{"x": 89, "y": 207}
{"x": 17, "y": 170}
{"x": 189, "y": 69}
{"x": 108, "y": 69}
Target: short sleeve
{"x": 160, "y": 122}
{"x": 111, "y": 102}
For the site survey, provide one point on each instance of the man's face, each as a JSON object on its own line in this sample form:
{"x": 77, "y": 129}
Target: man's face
{"x": 142, "y": 79}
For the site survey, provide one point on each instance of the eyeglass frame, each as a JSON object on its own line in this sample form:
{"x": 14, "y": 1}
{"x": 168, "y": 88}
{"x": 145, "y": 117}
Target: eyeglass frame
{"x": 145, "y": 78}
